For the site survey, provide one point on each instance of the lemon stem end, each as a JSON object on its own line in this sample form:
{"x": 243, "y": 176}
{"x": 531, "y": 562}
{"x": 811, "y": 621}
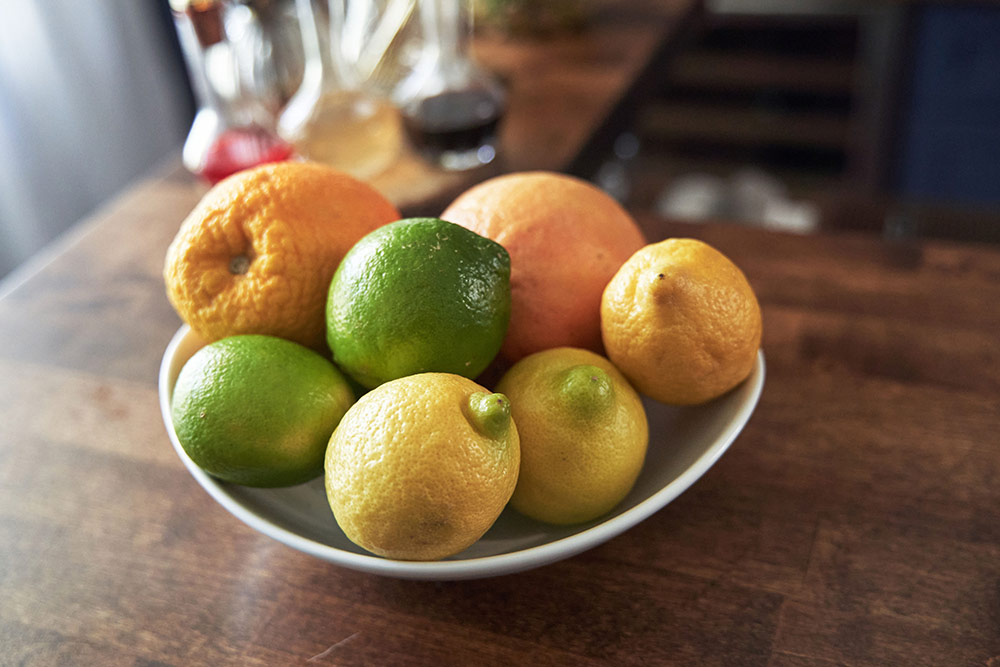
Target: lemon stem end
{"x": 490, "y": 413}
{"x": 587, "y": 390}
{"x": 239, "y": 265}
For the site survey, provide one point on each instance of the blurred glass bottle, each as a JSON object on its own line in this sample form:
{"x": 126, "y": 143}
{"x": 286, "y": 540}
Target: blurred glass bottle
{"x": 451, "y": 106}
{"x": 232, "y": 128}
{"x": 381, "y": 39}
{"x": 269, "y": 51}
{"x": 333, "y": 118}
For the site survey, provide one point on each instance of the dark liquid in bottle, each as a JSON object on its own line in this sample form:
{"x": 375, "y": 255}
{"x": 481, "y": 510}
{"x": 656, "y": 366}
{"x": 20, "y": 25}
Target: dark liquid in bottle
{"x": 452, "y": 122}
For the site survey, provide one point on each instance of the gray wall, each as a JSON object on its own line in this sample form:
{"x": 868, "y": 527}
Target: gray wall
{"x": 92, "y": 96}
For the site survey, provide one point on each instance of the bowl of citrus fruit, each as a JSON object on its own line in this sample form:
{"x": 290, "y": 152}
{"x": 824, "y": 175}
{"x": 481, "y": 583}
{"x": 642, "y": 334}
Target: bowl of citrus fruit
{"x": 470, "y": 395}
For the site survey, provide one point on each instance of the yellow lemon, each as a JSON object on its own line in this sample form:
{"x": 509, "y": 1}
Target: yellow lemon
{"x": 420, "y": 467}
{"x": 583, "y": 433}
{"x": 681, "y": 322}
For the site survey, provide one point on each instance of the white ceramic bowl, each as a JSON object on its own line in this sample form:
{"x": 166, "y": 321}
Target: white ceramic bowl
{"x": 684, "y": 443}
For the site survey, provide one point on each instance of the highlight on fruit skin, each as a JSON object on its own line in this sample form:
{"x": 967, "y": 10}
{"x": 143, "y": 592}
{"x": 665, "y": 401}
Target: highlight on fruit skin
{"x": 682, "y": 322}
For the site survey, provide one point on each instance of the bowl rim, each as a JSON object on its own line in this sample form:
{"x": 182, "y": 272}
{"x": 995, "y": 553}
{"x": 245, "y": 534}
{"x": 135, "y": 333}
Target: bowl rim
{"x": 469, "y": 568}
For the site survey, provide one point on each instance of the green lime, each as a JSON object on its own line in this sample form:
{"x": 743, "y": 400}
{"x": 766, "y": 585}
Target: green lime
{"x": 258, "y": 410}
{"x": 418, "y": 295}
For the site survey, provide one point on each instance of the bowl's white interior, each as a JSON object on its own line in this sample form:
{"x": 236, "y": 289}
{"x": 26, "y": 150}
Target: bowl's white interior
{"x": 684, "y": 443}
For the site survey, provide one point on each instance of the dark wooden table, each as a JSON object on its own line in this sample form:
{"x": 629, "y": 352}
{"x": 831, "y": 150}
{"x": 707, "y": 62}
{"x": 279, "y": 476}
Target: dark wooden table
{"x": 854, "y": 522}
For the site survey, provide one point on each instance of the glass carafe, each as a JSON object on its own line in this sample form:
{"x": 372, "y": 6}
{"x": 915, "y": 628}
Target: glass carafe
{"x": 451, "y": 106}
{"x": 271, "y": 51}
{"x": 381, "y": 40}
{"x": 232, "y": 128}
{"x": 332, "y": 118}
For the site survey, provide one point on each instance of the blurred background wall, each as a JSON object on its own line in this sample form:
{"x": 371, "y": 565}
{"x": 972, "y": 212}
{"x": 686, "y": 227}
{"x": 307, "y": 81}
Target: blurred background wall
{"x": 804, "y": 115}
{"x": 92, "y": 95}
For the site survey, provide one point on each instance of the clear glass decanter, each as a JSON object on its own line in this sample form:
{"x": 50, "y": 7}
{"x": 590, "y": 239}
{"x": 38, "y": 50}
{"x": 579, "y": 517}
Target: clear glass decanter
{"x": 451, "y": 106}
{"x": 332, "y": 118}
{"x": 232, "y": 129}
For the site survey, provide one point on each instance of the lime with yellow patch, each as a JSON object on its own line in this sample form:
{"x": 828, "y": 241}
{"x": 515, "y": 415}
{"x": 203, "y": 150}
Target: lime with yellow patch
{"x": 418, "y": 295}
{"x": 421, "y": 467}
{"x": 583, "y": 433}
{"x": 258, "y": 410}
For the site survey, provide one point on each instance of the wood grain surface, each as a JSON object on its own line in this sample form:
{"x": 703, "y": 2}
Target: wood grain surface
{"x": 854, "y": 522}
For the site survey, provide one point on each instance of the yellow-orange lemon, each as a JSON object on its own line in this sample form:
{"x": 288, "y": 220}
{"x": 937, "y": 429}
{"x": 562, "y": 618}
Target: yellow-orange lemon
{"x": 681, "y": 321}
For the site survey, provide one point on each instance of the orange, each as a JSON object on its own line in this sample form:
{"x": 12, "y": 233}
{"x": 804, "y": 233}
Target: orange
{"x": 257, "y": 253}
{"x": 421, "y": 466}
{"x": 681, "y": 321}
{"x": 566, "y": 239}
{"x": 583, "y": 434}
